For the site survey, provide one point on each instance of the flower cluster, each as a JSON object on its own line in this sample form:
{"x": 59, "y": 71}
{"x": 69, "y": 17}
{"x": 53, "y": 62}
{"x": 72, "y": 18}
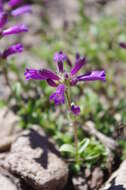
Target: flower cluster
{"x": 63, "y": 80}
{"x": 16, "y": 29}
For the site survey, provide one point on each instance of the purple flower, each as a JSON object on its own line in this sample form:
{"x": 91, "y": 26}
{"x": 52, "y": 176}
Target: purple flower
{"x": 21, "y": 10}
{"x": 15, "y": 30}
{"x": 17, "y": 48}
{"x": 92, "y": 76}
{"x": 75, "y": 109}
{"x": 43, "y": 74}
{"x": 80, "y": 62}
{"x": 13, "y": 3}
{"x": 63, "y": 80}
{"x": 1, "y": 5}
{"x": 3, "y": 18}
{"x": 51, "y": 83}
{"x": 122, "y": 45}
{"x": 73, "y": 81}
{"x": 58, "y": 97}
{"x": 59, "y": 58}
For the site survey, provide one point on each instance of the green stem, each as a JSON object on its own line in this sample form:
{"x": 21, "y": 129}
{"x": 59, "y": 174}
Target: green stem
{"x": 5, "y": 72}
{"x": 74, "y": 127}
{"x": 76, "y": 141}
{"x": 6, "y": 76}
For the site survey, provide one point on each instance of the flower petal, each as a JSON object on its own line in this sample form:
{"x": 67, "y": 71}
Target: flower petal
{"x": 58, "y": 97}
{"x": 13, "y": 3}
{"x": 21, "y": 10}
{"x": 92, "y": 76}
{"x": 1, "y": 5}
{"x": 73, "y": 82}
{"x": 15, "y": 30}
{"x": 68, "y": 61}
{"x": 43, "y": 74}
{"x": 75, "y": 109}
{"x": 122, "y": 45}
{"x": 59, "y": 58}
{"x": 17, "y": 48}
{"x": 3, "y": 18}
{"x": 51, "y": 83}
{"x": 79, "y": 63}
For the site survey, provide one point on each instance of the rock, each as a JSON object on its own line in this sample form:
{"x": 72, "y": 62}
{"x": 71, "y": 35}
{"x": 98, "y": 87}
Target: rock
{"x": 2, "y": 158}
{"x": 8, "y": 129}
{"x": 118, "y": 179}
{"x": 5, "y": 182}
{"x": 97, "y": 178}
{"x": 79, "y": 183}
{"x": 35, "y": 159}
{"x": 10, "y": 182}
{"x": 87, "y": 172}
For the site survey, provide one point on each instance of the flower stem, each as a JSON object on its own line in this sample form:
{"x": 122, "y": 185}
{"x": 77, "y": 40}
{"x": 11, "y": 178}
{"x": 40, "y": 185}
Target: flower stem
{"x": 74, "y": 127}
{"x": 5, "y": 72}
{"x": 75, "y": 141}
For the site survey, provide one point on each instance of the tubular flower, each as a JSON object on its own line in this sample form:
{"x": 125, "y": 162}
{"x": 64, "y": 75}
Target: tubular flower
{"x": 58, "y": 97}
{"x": 13, "y": 3}
{"x": 11, "y": 10}
{"x": 59, "y": 58}
{"x": 43, "y": 74}
{"x": 62, "y": 80}
{"x": 21, "y": 10}
{"x": 17, "y": 48}
{"x": 3, "y": 18}
{"x": 4, "y": 13}
{"x": 80, "y": 62}
{"x": 122, "y": 45}
{"x": 1, "y": 5}
{"x": 75, "y": 109}
{"x": 15, "y": 30}
{"x": 92, "y": 76}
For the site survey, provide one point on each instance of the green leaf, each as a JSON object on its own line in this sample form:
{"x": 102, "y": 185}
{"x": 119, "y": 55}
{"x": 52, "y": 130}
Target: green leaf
{"x": 17, "y": 89}
{"x": 83, "y": 145}
{"x": 67, "y": 148}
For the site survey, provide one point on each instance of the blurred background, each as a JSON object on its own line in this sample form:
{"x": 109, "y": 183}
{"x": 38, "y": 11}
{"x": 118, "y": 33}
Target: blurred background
{"x": 93, "y": 28}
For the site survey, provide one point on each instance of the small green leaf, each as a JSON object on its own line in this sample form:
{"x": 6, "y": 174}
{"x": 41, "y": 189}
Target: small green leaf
{"x": 17, "y": 89}
{"x": 83, "y": 145}
{"x": 67, "y": 148}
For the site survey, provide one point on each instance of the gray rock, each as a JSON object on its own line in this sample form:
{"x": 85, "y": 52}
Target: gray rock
{"x": 118, "y": 179}
{"x": 8, "y": 129}
{"x": 10, "y": 182}
{"x": 6, "y": 183}
{"x": 35, "y": 159}
{"x": 97, "y": 178}
{"x": 79, "y": 183}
